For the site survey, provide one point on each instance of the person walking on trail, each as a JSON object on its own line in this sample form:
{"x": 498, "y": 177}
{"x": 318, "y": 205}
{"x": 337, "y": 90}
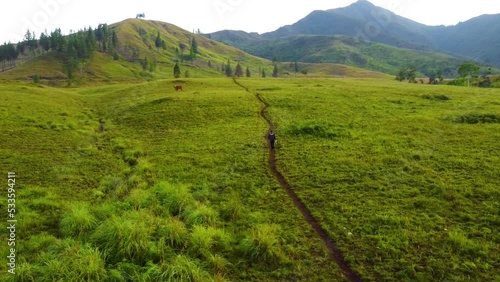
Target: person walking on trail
{"x": 272, "y": 139}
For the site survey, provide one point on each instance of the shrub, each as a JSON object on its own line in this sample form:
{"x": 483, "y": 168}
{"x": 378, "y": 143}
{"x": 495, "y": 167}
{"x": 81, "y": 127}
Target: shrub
{"x": 478, "y": 118}
{"x": 312, "y": 129}
{"x": 36, "y": 78}
{"x": 436, "y": 97}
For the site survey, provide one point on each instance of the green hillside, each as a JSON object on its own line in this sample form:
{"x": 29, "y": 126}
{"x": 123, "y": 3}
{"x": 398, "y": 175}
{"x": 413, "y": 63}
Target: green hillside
{"x": 136, "y": 45}
{"x": 352, "y": 52}
{"x": 332, "y": 36}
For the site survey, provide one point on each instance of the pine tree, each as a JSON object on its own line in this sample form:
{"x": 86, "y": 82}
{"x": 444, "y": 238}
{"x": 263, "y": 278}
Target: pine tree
{"x": 177, "y": 71}
{"x": 238, "y": 71}
{"x": 194, "y": 46}
{"x": 45, "y": 42}
{"x": 194, "y": 49}
{"x": 275, "y": 71}
{"x": 158, "y": 43}
{"x": 248, "y": 72}
{"x": 263, "y": 73}
{"x": 228, "y": 69}
{"x": 114, "y": 39}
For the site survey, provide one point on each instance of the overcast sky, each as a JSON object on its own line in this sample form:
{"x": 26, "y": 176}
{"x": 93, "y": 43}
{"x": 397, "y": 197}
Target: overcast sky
{"x": 213, "y": 15}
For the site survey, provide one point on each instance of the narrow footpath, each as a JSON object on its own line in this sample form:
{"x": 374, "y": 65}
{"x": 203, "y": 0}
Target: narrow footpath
{"x": 335, "y": 253}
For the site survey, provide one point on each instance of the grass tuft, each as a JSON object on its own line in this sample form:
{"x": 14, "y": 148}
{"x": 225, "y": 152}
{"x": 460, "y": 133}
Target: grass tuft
{"x": 78, "y": 221}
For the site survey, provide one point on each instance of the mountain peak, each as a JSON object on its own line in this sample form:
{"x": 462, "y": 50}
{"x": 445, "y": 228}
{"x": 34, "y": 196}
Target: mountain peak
{"x": 362, "y": 2}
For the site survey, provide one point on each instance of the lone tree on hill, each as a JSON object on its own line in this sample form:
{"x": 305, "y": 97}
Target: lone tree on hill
{"x": 177, "y": 71}
{"x": 248, "y": 73}
{"x": 264, "y": 73}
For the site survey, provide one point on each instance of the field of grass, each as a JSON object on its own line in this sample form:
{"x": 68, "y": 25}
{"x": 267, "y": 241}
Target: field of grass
{"x": 404, "y": 177}
{"x": 141, "y": 183}
{"x": 137, "y": 182}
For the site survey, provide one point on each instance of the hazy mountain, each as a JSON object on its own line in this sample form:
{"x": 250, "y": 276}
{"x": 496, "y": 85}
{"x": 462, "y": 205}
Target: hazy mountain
{"x": 476, "y": 39}
{"x": 361, "y": 19}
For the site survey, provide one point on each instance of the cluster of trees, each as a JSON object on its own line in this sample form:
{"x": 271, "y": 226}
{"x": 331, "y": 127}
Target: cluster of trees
{"x": 78, "y": 47}
{"x": 193, "y": 50}
{"x": 407, "y": 73}
{"x": 73, "y": 49}
{"x": 238, "y": 71}
{"x": 8, "y": 51}
{"x": 468, "y": 74}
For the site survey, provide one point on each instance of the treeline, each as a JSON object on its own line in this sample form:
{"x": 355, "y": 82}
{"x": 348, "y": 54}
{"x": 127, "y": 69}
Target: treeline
{"x": 73, "y": 49}
{"x": 469, "y": 75}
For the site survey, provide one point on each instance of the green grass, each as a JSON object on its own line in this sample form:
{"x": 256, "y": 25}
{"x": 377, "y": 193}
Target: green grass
{"x": 139, "y": 182}
{"x": 406, "y": 186}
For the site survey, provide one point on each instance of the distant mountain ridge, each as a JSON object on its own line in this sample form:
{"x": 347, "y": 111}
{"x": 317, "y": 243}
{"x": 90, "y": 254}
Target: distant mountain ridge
{"x": 476, "y": 39}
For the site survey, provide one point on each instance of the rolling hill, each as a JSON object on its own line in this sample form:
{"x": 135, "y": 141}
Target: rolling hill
{"x": 353, "y": 52}
{"x": 381, "y": 29}
{"x": 136, "y": 48}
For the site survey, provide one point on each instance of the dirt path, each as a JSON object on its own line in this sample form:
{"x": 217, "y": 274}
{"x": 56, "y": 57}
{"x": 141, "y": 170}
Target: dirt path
{"x": 350, "y": 274}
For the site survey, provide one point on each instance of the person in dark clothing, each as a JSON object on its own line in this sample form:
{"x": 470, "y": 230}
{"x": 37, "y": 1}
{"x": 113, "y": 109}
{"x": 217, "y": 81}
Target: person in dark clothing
{"x": 272, "y": 139}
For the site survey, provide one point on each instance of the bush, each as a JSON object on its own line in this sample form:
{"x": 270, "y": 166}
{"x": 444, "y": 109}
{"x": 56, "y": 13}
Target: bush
{"x": 478, "y": 118}
{"x": 312, "y": 129}
{"x": 36, "y": 78}
{"x": 436, "y": 97}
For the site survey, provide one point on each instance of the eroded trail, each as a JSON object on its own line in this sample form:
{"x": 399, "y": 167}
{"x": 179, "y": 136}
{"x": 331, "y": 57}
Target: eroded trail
{"x": 350, "y": 274}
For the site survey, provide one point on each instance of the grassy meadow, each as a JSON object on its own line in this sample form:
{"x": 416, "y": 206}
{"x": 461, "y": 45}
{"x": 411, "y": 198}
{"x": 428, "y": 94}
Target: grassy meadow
{"x": 404, "y": 177}
{"x": 137, "y": 182}
{"x": 141, "y": 183}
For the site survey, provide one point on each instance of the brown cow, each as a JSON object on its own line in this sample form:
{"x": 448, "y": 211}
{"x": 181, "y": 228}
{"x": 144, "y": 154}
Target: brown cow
{"x": 178, "y": 87}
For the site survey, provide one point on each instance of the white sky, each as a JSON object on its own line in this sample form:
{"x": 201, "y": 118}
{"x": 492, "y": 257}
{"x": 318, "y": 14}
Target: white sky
{"x": 213, "y": 15}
